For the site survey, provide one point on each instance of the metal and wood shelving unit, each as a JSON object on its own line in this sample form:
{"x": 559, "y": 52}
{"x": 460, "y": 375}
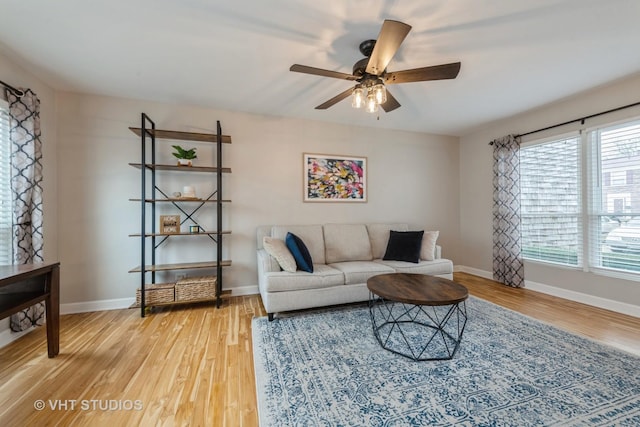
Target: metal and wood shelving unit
{"x": 152, "y": 195}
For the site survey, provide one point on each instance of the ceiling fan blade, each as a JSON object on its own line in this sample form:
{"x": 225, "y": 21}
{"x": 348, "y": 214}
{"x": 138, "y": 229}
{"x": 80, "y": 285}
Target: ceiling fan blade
{"x": 389, "y": 40}
{"x": 335, "y": 99}
{"x": 391, "y": 103}
{"x": 436, "y": 72}
{"x": 320, "y": 72}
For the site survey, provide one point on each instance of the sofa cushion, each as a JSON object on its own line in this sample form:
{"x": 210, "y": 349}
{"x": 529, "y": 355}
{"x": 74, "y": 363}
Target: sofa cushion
{"x": 278, "y": 249}
{"x": 300, "y": 252}
{"x": 379, "y": 237}
{"x": 435, "y": 267}
{"x": 428, "y": 249}
{"x": 404, "y": 246}
{"x": 359, "y": 271}
{"x": 322, "y": 277}
{"x": 311, "y": 235}
{"x": 346, "y": 242}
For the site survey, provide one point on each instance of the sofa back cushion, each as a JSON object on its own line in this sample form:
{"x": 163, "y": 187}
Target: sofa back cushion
{"x": 261, "y": 232}
{"x": 311, "y": 236}
{"x": 379, "y": 237}
{"x": 347, "y": 242}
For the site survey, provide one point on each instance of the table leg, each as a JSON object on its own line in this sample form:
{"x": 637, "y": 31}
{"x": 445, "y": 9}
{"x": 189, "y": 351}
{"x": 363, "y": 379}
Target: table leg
{"x": 52, "y": 304}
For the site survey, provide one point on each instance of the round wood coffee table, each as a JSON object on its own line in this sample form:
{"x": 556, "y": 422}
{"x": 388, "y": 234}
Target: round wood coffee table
{"x": 418, "y": 316}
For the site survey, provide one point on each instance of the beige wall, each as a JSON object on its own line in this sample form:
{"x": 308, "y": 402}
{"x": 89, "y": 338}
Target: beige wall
{"x": 412, "y": 178}
{"x": 429, "y": 181}
{"x": 475, "y": 249}
{"x": 16, "y": 76}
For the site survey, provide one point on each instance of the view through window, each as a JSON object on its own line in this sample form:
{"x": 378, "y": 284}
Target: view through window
{"x": 615, "y": 207}
{"x": 558, "y": 224}
{"x": 550, "y": 184}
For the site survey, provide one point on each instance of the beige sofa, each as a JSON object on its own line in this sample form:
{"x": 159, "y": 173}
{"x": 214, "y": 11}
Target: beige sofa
{"x": 344, "y": 257}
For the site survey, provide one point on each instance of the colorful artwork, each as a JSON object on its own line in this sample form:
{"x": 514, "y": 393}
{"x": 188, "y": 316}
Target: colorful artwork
{"x": 334, "y": 178}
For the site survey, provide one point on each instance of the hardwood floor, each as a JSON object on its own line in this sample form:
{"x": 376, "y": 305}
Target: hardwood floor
{"x": 193, "y": 365}
{"x": 609, "y": 327}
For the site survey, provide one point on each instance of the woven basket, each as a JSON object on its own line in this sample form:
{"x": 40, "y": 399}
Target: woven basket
{"x": 156, "y": 294}
{"x": 196, "y": 288}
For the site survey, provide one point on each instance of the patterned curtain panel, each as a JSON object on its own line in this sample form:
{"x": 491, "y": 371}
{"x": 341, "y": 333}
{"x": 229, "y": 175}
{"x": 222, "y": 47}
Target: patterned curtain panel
{"x": 26, "y": 188}
{"x": 508, "y": 267}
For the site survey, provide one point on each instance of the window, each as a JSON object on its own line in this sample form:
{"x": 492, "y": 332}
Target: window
{"x": 558, "y": 224}
{"x": 618, "y": 177}
{"x": 550, "y": 184}
{"x": 6, "y": 229}
{"x": 614, "y": 233}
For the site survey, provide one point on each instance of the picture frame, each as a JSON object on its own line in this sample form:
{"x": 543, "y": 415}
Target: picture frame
{"x": 334, "y": 178}
{"x": 169, "y": 224}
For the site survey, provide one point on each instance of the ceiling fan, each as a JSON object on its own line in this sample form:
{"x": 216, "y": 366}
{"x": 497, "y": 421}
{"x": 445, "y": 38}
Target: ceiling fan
{"x": 371, "y": 73}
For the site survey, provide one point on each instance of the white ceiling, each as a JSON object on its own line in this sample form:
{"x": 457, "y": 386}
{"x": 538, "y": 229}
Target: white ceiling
{"x": 515, "y": 54}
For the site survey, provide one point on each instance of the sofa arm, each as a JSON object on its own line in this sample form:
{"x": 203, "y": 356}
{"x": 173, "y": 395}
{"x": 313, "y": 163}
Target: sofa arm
{"x": 266, "y": 263}
{"x": 438, "y": 253}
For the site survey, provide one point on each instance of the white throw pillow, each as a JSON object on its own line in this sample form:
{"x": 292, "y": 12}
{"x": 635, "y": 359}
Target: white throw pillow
{"x": 428, "y": 249}
{"x": 278, "y": 249}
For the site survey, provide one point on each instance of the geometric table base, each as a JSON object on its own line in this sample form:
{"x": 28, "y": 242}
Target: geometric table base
{"x": 418, "y": 332}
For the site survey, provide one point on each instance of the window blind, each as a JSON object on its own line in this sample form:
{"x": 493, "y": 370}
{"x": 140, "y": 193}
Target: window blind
{"x": 6, "y": 228}
{"x": 550, "y": 185}
{"x": 614, "y": 231}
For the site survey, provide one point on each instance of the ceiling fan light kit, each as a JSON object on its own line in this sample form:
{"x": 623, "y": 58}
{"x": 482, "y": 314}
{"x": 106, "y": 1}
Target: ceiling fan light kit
{"x": 357, "y": 100}
{"x": 372, "y": 105}
{"x": 371, "y": 74}
{"x": 370, "y": 95}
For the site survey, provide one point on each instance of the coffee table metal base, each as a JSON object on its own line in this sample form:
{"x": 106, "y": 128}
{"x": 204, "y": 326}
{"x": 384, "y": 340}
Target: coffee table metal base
{"x": 418, "y": 332}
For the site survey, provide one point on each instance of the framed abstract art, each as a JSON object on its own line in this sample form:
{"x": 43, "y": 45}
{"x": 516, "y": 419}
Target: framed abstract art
{"x": 334, "y": 178}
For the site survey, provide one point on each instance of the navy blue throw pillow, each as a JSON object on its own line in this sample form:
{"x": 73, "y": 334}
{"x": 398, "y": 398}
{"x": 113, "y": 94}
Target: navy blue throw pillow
{"x": 404, "y": 246}
{"x": 300, "y": 252}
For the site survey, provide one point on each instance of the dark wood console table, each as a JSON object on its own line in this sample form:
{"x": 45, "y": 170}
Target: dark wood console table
{"x": 23, "y": 285}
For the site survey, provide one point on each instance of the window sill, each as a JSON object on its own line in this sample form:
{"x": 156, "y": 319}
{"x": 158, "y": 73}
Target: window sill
{"x": 616, "y": 274}
{"x": 553, "y": 264}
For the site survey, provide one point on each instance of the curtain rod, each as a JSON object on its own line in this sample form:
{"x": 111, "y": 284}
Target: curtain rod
{"x": 581, "y": 119}
{"x": 15, "y": 91}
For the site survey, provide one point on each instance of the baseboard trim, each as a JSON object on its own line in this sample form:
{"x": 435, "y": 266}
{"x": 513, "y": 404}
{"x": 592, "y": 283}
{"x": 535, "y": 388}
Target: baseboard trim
{"x": 607, "y": 304}
{"x": 245, "y": 290}
{"x": 617, "y": 306}
{"x": 8, "y": 336}
{"x": 117, "y": 304}
{"x": 100, "y": 305}
{"x": 475, "y": 271}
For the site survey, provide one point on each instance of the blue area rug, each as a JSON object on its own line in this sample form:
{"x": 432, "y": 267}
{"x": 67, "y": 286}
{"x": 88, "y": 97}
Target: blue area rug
{"x": 325, "y": 368}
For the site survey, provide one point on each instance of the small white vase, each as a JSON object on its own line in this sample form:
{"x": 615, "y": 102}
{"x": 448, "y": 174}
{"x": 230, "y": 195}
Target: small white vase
{"x": 184, "y": 162}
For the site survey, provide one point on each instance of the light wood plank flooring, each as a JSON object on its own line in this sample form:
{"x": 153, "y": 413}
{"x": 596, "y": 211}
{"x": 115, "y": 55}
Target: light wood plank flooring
{"x": 193, "y": 366}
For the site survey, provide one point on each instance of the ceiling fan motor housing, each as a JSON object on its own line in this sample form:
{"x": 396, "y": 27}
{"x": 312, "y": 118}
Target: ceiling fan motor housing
{"x": 360, "y": 67}
{"x": 366, "y": 47}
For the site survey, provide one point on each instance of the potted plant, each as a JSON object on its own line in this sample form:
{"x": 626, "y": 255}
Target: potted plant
{"x": 184, "y": 156}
